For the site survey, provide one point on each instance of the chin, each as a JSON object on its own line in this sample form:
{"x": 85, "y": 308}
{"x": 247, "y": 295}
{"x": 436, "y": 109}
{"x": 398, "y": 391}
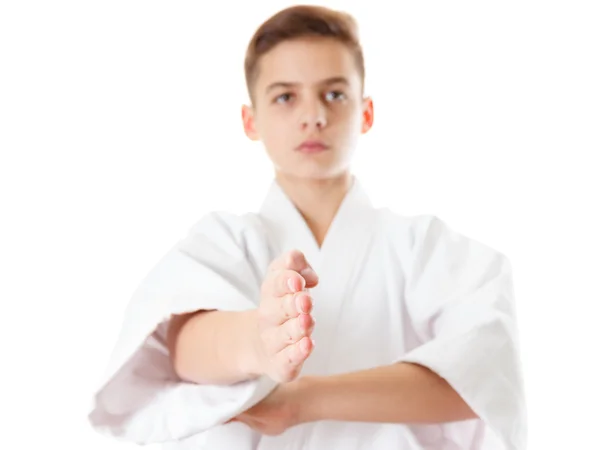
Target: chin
{"x": 315, "y": 172}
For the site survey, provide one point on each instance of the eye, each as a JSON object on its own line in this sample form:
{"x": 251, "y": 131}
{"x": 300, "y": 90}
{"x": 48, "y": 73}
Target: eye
{"x": 283, "y": 98}
{"x": 335, "y": 95}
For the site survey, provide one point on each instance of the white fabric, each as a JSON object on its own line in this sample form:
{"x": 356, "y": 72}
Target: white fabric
{"x": 392, "y": 288}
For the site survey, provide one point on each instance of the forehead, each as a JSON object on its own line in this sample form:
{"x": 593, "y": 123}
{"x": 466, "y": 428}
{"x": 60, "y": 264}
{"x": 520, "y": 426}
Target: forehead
{"x": 307, "y": 61}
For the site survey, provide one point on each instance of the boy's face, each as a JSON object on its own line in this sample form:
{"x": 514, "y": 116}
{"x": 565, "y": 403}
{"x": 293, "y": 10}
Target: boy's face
{"x": 308, "y": 91}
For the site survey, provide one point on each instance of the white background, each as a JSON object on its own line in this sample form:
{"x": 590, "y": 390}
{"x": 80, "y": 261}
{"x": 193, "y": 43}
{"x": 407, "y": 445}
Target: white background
{"x": 120, "y": 126}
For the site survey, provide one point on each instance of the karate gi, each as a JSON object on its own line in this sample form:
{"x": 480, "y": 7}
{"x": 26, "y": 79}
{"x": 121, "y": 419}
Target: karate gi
{"x": 392, "y": 288}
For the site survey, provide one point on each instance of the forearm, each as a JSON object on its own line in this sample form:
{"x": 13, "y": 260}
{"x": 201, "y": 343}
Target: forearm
{"x": 400, "y": 393}
{"x": 214, "y": 347}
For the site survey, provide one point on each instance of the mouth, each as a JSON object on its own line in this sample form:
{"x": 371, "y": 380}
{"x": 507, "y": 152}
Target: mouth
{"x": 312, "y": 146}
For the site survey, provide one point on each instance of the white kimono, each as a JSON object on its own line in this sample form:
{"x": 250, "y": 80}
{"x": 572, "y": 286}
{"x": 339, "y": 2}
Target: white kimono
{"x": 392, "y": 288}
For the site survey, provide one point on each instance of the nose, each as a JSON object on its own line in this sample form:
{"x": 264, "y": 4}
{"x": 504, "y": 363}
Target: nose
{"x": 313, "y": 115}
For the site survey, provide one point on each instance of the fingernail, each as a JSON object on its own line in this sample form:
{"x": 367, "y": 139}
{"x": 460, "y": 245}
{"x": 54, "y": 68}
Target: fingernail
{"x": 308, "y": 272}
{"x": 291, "y": 285}
{"x": 301, "y": 305}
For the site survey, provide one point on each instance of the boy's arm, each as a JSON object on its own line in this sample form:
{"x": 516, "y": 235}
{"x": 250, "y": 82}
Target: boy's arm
{"x": 403, "y": 393}
{"x": 214, "y": 347}
{"x": 226, "y": 347}
{"x": 400, "y": 393}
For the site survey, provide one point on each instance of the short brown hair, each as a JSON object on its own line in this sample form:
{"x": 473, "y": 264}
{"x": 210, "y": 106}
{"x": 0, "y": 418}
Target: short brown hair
{"x": 298, "y": 22}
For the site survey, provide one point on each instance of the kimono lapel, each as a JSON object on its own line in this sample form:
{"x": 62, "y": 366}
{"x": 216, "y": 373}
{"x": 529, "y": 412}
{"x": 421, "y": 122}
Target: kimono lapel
{"x": 342, "y": 257}
{"x": 337, "y": 262}
{"x": 287, "y": 229}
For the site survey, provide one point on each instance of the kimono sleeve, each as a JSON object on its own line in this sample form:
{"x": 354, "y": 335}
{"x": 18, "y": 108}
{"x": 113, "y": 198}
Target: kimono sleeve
{"x": 141, "y": 399}
{"x": 460, "y": 295}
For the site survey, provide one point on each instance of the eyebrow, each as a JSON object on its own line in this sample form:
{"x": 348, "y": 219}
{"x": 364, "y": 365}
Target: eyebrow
{"x": 287, "y": 84}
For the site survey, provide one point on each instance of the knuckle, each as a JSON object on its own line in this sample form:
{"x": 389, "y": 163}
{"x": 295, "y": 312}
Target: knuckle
{"x": 293, "y": 275}
{"x": 289, "y": 273}
{"x": 290, "y": 306}
{"x": 297, "y": 329}
{"x": 295, "y": 257}
{"x": 281, "y": 275}
{"x": 288, "y": 337}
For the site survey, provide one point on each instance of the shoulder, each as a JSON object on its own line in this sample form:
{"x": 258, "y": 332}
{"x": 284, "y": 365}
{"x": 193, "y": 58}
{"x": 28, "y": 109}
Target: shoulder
{"x": 406, "y": 230}
{"x": 221, "y": 224}
{"x": 241, "y": 236}
{"x": 225, "y": 227}
{"x": 424, "y": 234}
{"x": 412, "y": 223}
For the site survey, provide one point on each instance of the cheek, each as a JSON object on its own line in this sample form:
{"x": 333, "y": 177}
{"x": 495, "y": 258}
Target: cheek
{"x": 347, "y": 119}
{"x": 276, "y": 127}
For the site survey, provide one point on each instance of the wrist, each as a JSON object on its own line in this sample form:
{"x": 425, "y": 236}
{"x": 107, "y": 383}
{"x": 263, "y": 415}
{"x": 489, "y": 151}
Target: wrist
{"x": 307, "y": 398}
{"x": 251, "y": 359}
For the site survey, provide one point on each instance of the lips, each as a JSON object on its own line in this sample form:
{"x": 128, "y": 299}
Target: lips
{"x": 312, "y": 146}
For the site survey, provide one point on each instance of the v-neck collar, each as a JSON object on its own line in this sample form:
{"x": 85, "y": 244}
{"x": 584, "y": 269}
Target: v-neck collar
{"x": 291, "y": 230}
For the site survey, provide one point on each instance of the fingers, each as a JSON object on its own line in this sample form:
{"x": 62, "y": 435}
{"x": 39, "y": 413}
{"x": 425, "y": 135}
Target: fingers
{"x": 276, "y": 311}
{"x": 289, "y": 260}
{"x": 296, "y": 261}
{"x": 289, "y": 333}
{"x": 285, "y": 320}
{"x": 285, "y": 282}
{"x": 297, "y": 353}
{"x": 295, "y": 329}
{"x": 292, "y": 357}
{"x": 293, "y": 305}
{"x": 310, "y": 277}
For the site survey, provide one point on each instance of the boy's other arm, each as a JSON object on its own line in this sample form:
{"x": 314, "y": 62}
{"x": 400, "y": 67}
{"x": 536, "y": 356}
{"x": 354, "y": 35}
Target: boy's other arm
{"x": 226, "y": 347}
{"x": 398, "y": 393}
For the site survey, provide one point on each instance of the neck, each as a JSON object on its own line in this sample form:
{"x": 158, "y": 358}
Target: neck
{"x": 318, "y": 200}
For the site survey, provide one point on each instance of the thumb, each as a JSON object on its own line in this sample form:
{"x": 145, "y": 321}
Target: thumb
{"x": 295, "y": 260}
{"x": 310, "y": 276}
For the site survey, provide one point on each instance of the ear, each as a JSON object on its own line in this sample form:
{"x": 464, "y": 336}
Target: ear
{"x": 249, "y": 123}
{"x": 367, "y": 115}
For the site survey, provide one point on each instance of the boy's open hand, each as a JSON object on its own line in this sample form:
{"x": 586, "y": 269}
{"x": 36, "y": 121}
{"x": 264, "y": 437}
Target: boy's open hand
{"x": 284, "y": 317}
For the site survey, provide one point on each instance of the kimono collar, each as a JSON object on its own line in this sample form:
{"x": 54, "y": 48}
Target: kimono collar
{"x": 290, "y": 229}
